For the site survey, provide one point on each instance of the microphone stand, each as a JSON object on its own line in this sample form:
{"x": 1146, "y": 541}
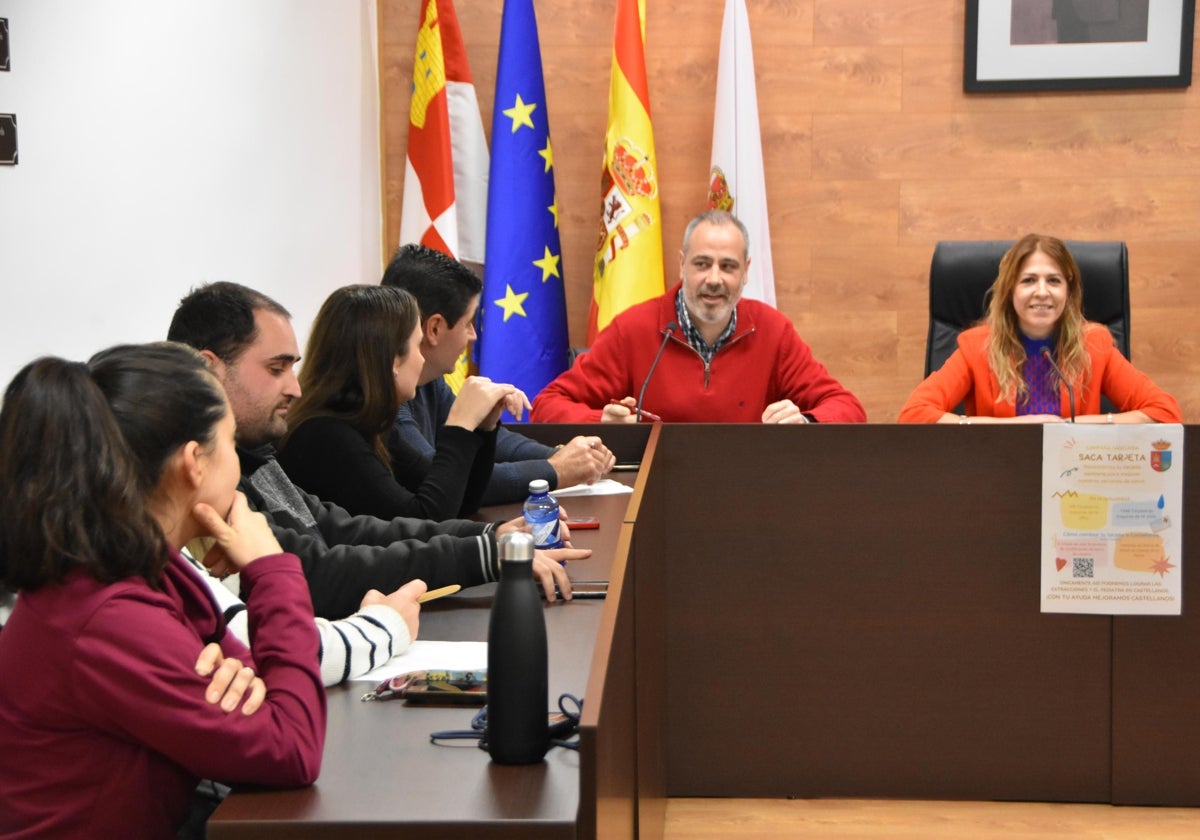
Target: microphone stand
{"x": 1049, "y": 357}
{"x": 666, "y": 334}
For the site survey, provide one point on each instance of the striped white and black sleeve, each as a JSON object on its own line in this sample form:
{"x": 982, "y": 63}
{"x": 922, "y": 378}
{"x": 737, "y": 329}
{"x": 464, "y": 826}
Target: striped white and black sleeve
{"x": 349, "y": 646}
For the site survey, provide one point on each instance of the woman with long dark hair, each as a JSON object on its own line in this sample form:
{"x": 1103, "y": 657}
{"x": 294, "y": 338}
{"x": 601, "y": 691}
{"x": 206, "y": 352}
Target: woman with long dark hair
{"x": 362, "y": 361}
{"x": 106, "y": 471}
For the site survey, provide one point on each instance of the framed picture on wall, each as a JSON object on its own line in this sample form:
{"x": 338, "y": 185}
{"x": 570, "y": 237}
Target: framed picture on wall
{"x": 4, "y": 54}
{"x": 1023, "y": 45}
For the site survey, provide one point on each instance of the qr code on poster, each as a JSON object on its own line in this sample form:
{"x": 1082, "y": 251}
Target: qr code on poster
{"x": 1083, "y": 567}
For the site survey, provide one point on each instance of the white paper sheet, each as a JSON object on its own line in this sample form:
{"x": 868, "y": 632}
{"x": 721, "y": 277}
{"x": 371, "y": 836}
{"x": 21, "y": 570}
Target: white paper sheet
{"x": 603, "y": 487}
{"x": 425, "y": 656}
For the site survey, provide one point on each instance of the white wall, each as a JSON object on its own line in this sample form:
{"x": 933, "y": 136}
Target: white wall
{"x": 168, "y": 144}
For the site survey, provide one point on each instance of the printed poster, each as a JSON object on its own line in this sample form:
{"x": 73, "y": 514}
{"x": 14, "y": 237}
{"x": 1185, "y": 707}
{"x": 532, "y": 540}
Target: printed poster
{"x": 1111, "y": 517}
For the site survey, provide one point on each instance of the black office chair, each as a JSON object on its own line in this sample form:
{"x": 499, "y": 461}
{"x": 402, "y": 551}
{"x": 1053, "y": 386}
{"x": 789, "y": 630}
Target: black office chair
{"x": 962, "y": 272}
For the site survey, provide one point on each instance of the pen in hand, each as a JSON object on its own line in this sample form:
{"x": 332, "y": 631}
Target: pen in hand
{"x": 640, "y": 412}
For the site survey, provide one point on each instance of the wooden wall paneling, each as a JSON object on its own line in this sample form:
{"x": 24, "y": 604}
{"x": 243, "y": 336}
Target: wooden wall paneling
{"x": 850, "y": 280}
{"x": 1161, "y": 274}
{"x": 848, "y": 276}
{"x": 887, "y": 22}
{"x": 933, "y": 84}
{"x": 787, "y": 151}
{"x": 1154, "y": 209}
{"x": 870, "y": 146}
{"x": 787, "y": 22}
{"x": 797, "y": 80}
{"x": 924, "y": 147}
{"x": 854, "y": 343}
{"x": 1182, "y": 386}
{"x": 793, "y": 285}
{"x": 841, "y": 211}
{"x": 1166, "y": 342}
{"x": 884, "y": 395}
{"x": 858, "y": 348}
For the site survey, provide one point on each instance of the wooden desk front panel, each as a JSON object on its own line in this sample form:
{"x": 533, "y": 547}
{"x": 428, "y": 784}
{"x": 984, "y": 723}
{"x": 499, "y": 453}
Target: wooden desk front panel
{"x": 1156, "y": 696}
{"x": 655, "y": 521}
{"x": 608, "y": 732}
{"x": 854, "y": 611}
{"x": 608, "y": 735}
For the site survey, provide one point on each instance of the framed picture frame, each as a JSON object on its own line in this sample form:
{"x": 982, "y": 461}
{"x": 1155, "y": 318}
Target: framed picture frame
{"x": 1028, "y": 45}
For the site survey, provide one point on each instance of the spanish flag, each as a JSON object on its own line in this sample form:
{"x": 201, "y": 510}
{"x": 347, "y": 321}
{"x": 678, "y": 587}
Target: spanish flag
{"x": 629, "y": 261}
{"x": 446, "y": 170}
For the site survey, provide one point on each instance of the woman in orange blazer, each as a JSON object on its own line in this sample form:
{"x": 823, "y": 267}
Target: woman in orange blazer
{"x": 1001, "y": 370}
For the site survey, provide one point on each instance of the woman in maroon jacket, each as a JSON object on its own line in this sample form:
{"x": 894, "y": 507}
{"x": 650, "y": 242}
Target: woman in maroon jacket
{"x": 106, "y": 470}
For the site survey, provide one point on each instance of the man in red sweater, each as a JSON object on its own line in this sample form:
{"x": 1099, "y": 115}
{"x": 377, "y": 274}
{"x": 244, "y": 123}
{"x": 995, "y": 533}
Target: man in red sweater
{"x": 720, "y": 359}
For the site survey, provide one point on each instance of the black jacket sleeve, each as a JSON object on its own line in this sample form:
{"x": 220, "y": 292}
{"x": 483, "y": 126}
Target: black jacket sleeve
{"x": 329, "y": 458}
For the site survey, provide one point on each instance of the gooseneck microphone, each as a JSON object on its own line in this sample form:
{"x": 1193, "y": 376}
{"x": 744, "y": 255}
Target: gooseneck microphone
{"x": 666, "y": 334}
{"x": 1049, "y": 357}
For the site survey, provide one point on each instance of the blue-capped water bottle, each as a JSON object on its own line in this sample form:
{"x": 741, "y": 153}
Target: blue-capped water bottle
{"x": 541, "y": 513}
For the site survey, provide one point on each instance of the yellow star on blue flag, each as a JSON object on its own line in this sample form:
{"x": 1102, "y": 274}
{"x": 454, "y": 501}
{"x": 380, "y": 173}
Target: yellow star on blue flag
{"x": 511, "y": 303}
{"x": 520, "y": 114}
{"x": 523, "y": 329}
{"x": 548, "y": 264}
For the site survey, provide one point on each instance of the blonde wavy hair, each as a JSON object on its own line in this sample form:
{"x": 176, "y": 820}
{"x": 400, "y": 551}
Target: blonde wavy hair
{"x": 1006, "y": 355}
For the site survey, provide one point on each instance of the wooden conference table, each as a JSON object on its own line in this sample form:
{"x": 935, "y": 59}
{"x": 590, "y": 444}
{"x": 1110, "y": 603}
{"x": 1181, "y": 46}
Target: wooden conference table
{"x": 381, "y": 776}
{"x": 830, "y": 611}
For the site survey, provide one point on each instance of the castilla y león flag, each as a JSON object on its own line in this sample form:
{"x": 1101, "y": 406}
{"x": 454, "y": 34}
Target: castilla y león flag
{"x": 446, "y": 170}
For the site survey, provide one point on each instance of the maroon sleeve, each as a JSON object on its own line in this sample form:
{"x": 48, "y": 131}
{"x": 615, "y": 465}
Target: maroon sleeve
{"x": 135, "y": 672}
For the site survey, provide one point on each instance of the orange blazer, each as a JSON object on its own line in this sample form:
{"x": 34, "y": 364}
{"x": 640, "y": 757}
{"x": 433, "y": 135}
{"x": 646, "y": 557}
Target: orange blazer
{"x": 966, "y": 377}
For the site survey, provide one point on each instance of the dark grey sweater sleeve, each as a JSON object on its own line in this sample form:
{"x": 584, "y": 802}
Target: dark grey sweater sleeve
{"x": 344, "y": 556}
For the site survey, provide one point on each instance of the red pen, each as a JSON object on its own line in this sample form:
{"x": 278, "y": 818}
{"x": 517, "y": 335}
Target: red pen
{"x": 640, "y": 412}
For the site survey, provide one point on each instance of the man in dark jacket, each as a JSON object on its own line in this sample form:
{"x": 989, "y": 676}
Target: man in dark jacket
{"x": 447, "y": 293}
{"x": 249, "y": 342}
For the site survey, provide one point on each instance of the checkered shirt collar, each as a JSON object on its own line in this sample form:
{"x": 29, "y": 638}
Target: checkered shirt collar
{"x": 694, "y": 338}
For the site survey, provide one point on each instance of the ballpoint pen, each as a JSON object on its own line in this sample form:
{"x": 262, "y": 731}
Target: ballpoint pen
{"x": 640, "y": 412}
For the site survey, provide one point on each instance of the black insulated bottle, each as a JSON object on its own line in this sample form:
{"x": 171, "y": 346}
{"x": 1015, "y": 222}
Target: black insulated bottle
{"x": 517, "y": 684}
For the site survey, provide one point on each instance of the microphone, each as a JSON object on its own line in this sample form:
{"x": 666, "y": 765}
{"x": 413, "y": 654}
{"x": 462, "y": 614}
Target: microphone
{"x": 666, "y": 334}
{"x": 1049, "y": 357}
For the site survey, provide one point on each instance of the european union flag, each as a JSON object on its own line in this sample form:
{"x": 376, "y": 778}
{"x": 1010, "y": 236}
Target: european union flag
{"x": 523, "y": 324}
